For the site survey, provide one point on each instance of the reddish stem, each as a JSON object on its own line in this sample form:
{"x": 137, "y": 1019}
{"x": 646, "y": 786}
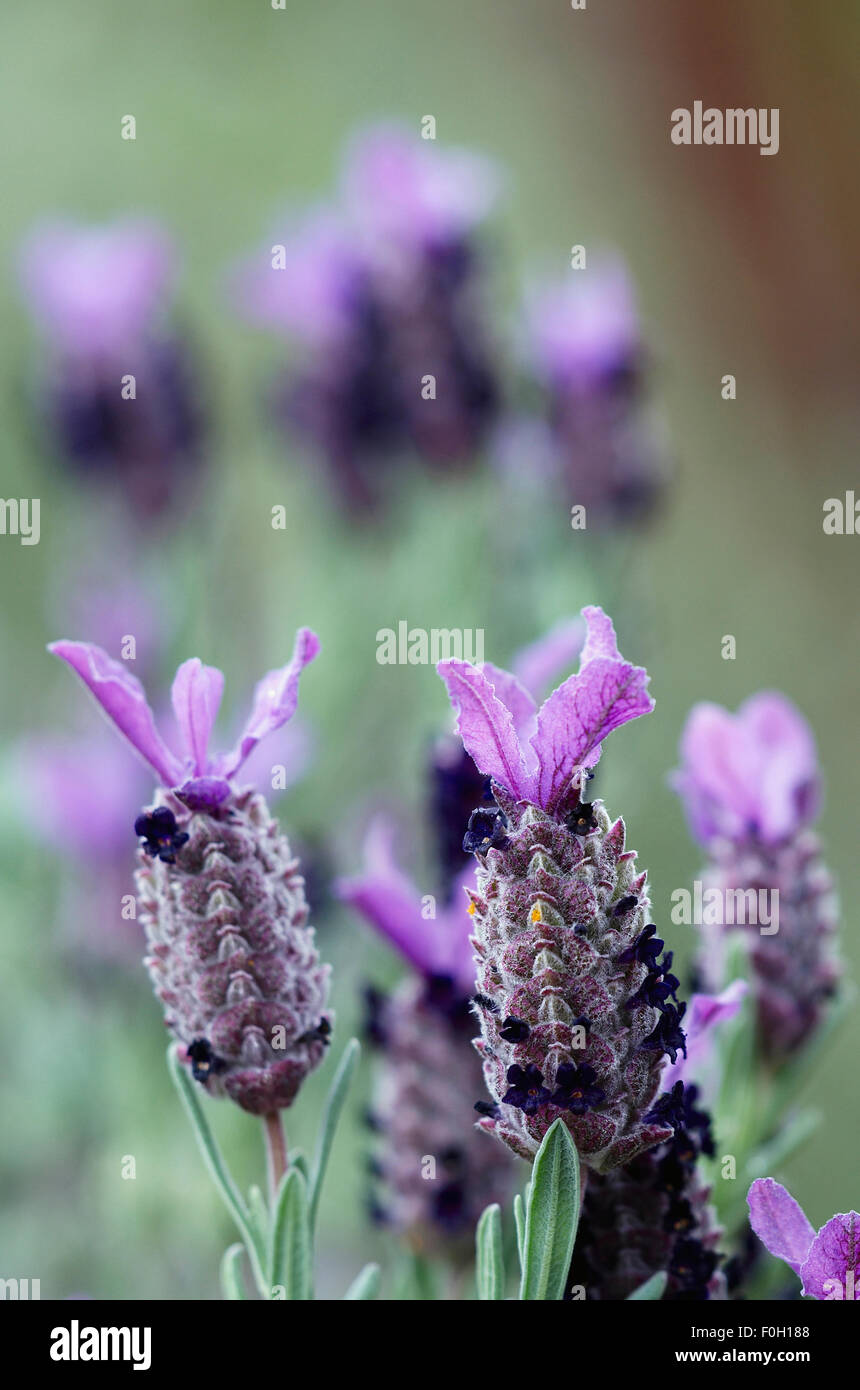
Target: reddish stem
{"x": 276, "y": 1151}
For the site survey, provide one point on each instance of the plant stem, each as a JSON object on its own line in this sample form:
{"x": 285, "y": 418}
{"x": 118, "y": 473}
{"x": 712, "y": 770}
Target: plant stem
{"x": 276, "y": 1151}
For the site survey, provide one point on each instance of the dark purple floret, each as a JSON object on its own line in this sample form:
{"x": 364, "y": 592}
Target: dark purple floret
{"x": 576, "y": 1088}
{"x": 484, "y": 1002}
{"x": 658, "y": 986}
{"x": 668, "y": 1036}
{"x": 582, "y": 820}
{"x": 456, "y": 788}
{"x": 626, "y": 905}
{"x": 160, "y": 834}
{"x": 203, "y": 1059}
{"x": 514, "y": 1030}
{"x": 486, "y": 830}
{"x": 374, "y": 1010}
{"x": 645, "y": 949}
{"x": 487, "y": 1107}
{"x": 526, "y": 1089}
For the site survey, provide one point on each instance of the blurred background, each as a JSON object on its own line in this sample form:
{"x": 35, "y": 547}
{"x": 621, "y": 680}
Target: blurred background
{"x": 741, "y": 265}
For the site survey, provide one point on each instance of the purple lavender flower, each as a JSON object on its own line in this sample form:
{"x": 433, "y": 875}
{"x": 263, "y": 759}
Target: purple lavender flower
{"x": 750, "y": 786}
{"x": 430, "y": 1075}
{"x": 98, "y": 295}
{"x": 457, "y": 788}
{"x": 587, "y": 353}
{"x": 827, "y": 1262}
{"x": 381, "y": 293}
{"x": 560, "y": 912}
{"x": 222, "y": 899}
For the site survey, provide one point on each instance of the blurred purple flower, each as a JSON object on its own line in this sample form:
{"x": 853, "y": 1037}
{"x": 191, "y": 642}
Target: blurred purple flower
{"x": 100, "y": 296}
{"x": 750, "y": 785}
{"x": 586, "y": 351}
{"x": 97, "y": 291}
{"x": 753, "y": 773}
{"x": 434, "y": 945}
{"x": 827, "y": 1262}
{"x": 380, "y": 292}
{"x": 535, "y": 753}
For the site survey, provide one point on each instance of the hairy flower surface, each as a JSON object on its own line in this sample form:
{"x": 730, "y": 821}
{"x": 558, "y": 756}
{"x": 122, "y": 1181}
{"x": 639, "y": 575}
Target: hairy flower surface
{"x": 578, "y": 1009}
{"x": 99, "y": 296}
{"x": 437, "y": 1172}
{"x": 231, "y": 955}
{"x": 652, "y": 1215}
{"x": 750, "y": 786}
{"x": 827, "y": 1261}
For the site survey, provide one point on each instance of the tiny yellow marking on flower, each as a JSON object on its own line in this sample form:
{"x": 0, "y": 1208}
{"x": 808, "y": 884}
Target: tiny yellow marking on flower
{"x": 471, "y": 909}
{"x": 536, "y": 915}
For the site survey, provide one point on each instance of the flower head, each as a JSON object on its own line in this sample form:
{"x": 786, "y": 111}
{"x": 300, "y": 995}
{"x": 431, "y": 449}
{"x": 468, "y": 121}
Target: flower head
{"x": 232, "y": 956}
{"x": 827, "y": 1261}
{"x": 199, "y": 779}
{"x": 535, "y": 754}
{"x": 573, "y": 997}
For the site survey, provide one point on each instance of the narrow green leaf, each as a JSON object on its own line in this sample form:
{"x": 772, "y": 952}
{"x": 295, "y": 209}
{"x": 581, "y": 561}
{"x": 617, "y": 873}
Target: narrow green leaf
{"x": 231, "y": 1272}
{"x": 653, "y": 1288}
{"x": 490, "y": 1264}
{"x": 290, "y": 1239}
{"x": 334, "y": 1105}
{"x": 216, "y": 1164}
{"x": 258, "y": 1212}
{"x": 366, "y": 1284}
{"x": 552, "y": 1216}
{"x": 520, "y": 1223}
{"x": 299, "y": 1159}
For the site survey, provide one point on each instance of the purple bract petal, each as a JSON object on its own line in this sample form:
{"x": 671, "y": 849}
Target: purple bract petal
{"x": 779, "y": 1222}
{"x": 494, "y": 713}
{"x": 486, "y": 726}
{"x": 831, "y": 1270}
{"x": 514, "y": 696}
{"x": 605, "y": 693}
{"x": 122, "y": 697}
{"x": 196, "y": 698}
{"x": 275, "y": 700}
{"x": 537, "y": 665}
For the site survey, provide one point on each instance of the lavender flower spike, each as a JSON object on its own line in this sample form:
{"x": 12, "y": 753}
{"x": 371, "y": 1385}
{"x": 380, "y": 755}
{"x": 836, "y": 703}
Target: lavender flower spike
{"x": 429, "y": 1077}
{"x": 750, "y": 785}
{"x": 231, "y": 956}
{"x": 578, "y": 1012}
{"x": 827, "y": 1262}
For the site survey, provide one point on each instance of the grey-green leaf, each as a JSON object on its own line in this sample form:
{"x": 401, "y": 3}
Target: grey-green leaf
{"x": 552, "y": 1216}
{"x": 231, "y": 1272}
{"x": 490, "y": 1265}
{"x": 653, "y": 1288}
{"x": 216, "y": 1164}
{"x": 290, "y": 1242}
{"x": 366, "y": 1284}
{"x": 334, "y": 1105}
